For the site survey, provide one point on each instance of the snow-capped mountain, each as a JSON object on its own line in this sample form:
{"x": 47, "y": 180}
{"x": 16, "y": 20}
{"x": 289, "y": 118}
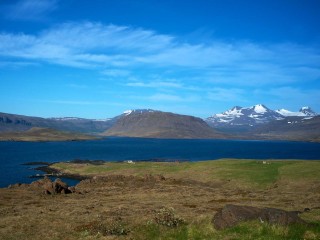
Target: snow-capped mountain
{"x": 257, "y": 114}
{"x": 308, "y": 111}
{"x": 303, "y": 112}
{"x": 239, "y": 116}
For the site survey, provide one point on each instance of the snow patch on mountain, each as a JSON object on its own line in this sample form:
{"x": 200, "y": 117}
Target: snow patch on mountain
{"x": 287, "y": 113}
{"x": 101, "y": 120}
{"x": 303, "y": 112}
{"x": 128, "y": 112}
{"x": 308, "y": 111}
{"x": 67, "y": 119}
{"x": 257, "y": 114}
{"x": 79, "y": 119}
{"x": 259, "y": 108}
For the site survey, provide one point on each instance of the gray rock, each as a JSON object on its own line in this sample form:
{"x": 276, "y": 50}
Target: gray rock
{"x": 231, "y": 215}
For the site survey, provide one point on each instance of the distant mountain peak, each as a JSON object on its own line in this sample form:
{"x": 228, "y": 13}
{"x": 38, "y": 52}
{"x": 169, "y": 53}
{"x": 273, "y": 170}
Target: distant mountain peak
{"x": 303, "y": 112}
{"x": 244, "y": 116}
{"x": 307, "y": 111}
{"x": 260, "y": 108}
{"x": 257, "y": 114}
{"x": 236, "y": 108}
{"x": 128, "y": 112}
{"x": 158, "y": 124}
{"x": 287, "y": 113}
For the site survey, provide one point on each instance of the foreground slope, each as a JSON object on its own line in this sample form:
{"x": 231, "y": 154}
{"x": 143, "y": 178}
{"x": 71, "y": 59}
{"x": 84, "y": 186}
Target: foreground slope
{"x": 124, "y": 199}
{"x": 156, "y": 124}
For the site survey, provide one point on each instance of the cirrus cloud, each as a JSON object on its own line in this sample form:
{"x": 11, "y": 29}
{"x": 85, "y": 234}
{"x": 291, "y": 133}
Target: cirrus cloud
{"x": 30, "y": 9}
{"x": 128, "y": 52}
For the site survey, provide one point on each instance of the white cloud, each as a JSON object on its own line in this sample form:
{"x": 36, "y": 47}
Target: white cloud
{"x": 161, "y": 97}
{"x": 155, "y": 84}
{"x": 116, "y": 73}
{"x": 121, "y": 51}
{"x": 292, "y": 98}
{"x": 75, "y": 102}
{"x": 30, "y": 9}
{"x": 109, "y": 38}
{"x": 226, "y": 94}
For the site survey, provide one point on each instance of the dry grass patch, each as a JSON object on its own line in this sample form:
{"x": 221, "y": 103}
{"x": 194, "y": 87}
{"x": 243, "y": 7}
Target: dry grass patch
{"x": 125, "y": 198}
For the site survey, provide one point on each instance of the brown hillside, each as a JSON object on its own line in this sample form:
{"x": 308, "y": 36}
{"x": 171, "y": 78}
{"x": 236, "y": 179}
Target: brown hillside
{"x": 158, "y": 124}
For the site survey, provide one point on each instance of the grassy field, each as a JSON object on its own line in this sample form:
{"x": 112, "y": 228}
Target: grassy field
{"x": 247, "y": 173}
{"x": 126, "y": 200}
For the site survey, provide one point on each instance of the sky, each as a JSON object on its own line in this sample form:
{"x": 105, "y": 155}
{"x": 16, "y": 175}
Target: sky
{"x": 96, "y": 59}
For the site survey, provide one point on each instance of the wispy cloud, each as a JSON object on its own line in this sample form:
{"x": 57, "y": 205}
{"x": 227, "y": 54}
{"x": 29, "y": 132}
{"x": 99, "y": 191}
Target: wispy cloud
{"x": 155, "y": 84}
{"x": 127, "y": 52}
{"x": 166, "y": 97}
{"x": 116, "y": 73}
{"x": 160, "y": 97}
{"x": 226, "y": 94}
{"x": 30, "y": 9}
{"x": 77, "y": 86}
{"x": 75, "y": 102}
{"x": 289, "y": 97}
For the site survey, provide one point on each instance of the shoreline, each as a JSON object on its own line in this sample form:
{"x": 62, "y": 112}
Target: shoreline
{"x": 104, "y": 168}
{"x": 52, "y": 172}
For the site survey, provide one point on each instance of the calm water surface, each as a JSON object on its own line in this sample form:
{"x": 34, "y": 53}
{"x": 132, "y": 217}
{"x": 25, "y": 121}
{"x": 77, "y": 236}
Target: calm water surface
{"x": 13, "y": 154}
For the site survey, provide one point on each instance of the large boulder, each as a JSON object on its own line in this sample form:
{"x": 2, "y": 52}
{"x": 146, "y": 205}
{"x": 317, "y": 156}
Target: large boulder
{"x": 50, "y": 187}
{"x": 60, "y": 187}
{"x": 231, "y": 215}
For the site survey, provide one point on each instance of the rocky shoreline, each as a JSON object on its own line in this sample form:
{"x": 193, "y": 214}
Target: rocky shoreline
{"x": 55, "y": 173}
{"x": 49, "y": 171}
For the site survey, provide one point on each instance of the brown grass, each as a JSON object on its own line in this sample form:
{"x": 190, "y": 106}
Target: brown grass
{"x": 195, "y": 191}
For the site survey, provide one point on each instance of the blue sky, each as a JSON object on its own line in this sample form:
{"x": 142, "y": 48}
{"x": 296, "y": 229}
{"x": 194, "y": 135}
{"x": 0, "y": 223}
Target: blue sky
{"x": 95, "y": 59}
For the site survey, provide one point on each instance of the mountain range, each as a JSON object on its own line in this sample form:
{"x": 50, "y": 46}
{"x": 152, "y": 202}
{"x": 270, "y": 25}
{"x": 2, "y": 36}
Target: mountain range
{"x": 256, "y": 122}
{"x": 255, "y": 115}
{"x": 13, "y": 122}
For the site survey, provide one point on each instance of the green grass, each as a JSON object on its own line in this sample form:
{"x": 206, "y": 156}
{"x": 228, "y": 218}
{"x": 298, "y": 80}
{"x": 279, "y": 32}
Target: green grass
{"x": 301, "y": 170}
{"x": 203, "y": 230}
{"x": 249, "y": 171}
{"x": 297, "y": 183}
{"x": 246, "y": 172}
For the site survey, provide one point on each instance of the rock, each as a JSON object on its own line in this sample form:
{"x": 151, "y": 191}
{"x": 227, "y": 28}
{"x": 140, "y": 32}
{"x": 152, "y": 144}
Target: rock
{"x": 231, "y": 215}
{"x": 281, "y": 217}
{"x": 60, "y": 187}
{"x": 14, "y": 185}
{"x": 72, "y": 189}
{"x": 50, "y": 187}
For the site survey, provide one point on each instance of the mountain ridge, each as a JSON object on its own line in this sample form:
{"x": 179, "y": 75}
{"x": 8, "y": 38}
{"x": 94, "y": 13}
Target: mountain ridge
{"x": 13, "y": 122}
{"x": 158, "y": 124}
{"x": 254, "y": 115}
{"x": 256, "y": 122}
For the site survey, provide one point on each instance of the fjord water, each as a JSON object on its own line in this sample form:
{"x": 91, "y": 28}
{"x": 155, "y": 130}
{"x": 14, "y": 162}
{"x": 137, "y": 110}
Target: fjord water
{"x": 14, "y": 154}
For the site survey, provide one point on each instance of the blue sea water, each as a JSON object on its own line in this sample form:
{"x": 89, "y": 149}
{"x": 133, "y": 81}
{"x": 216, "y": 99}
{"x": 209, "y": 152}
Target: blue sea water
{"x": 14, "y": 154}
